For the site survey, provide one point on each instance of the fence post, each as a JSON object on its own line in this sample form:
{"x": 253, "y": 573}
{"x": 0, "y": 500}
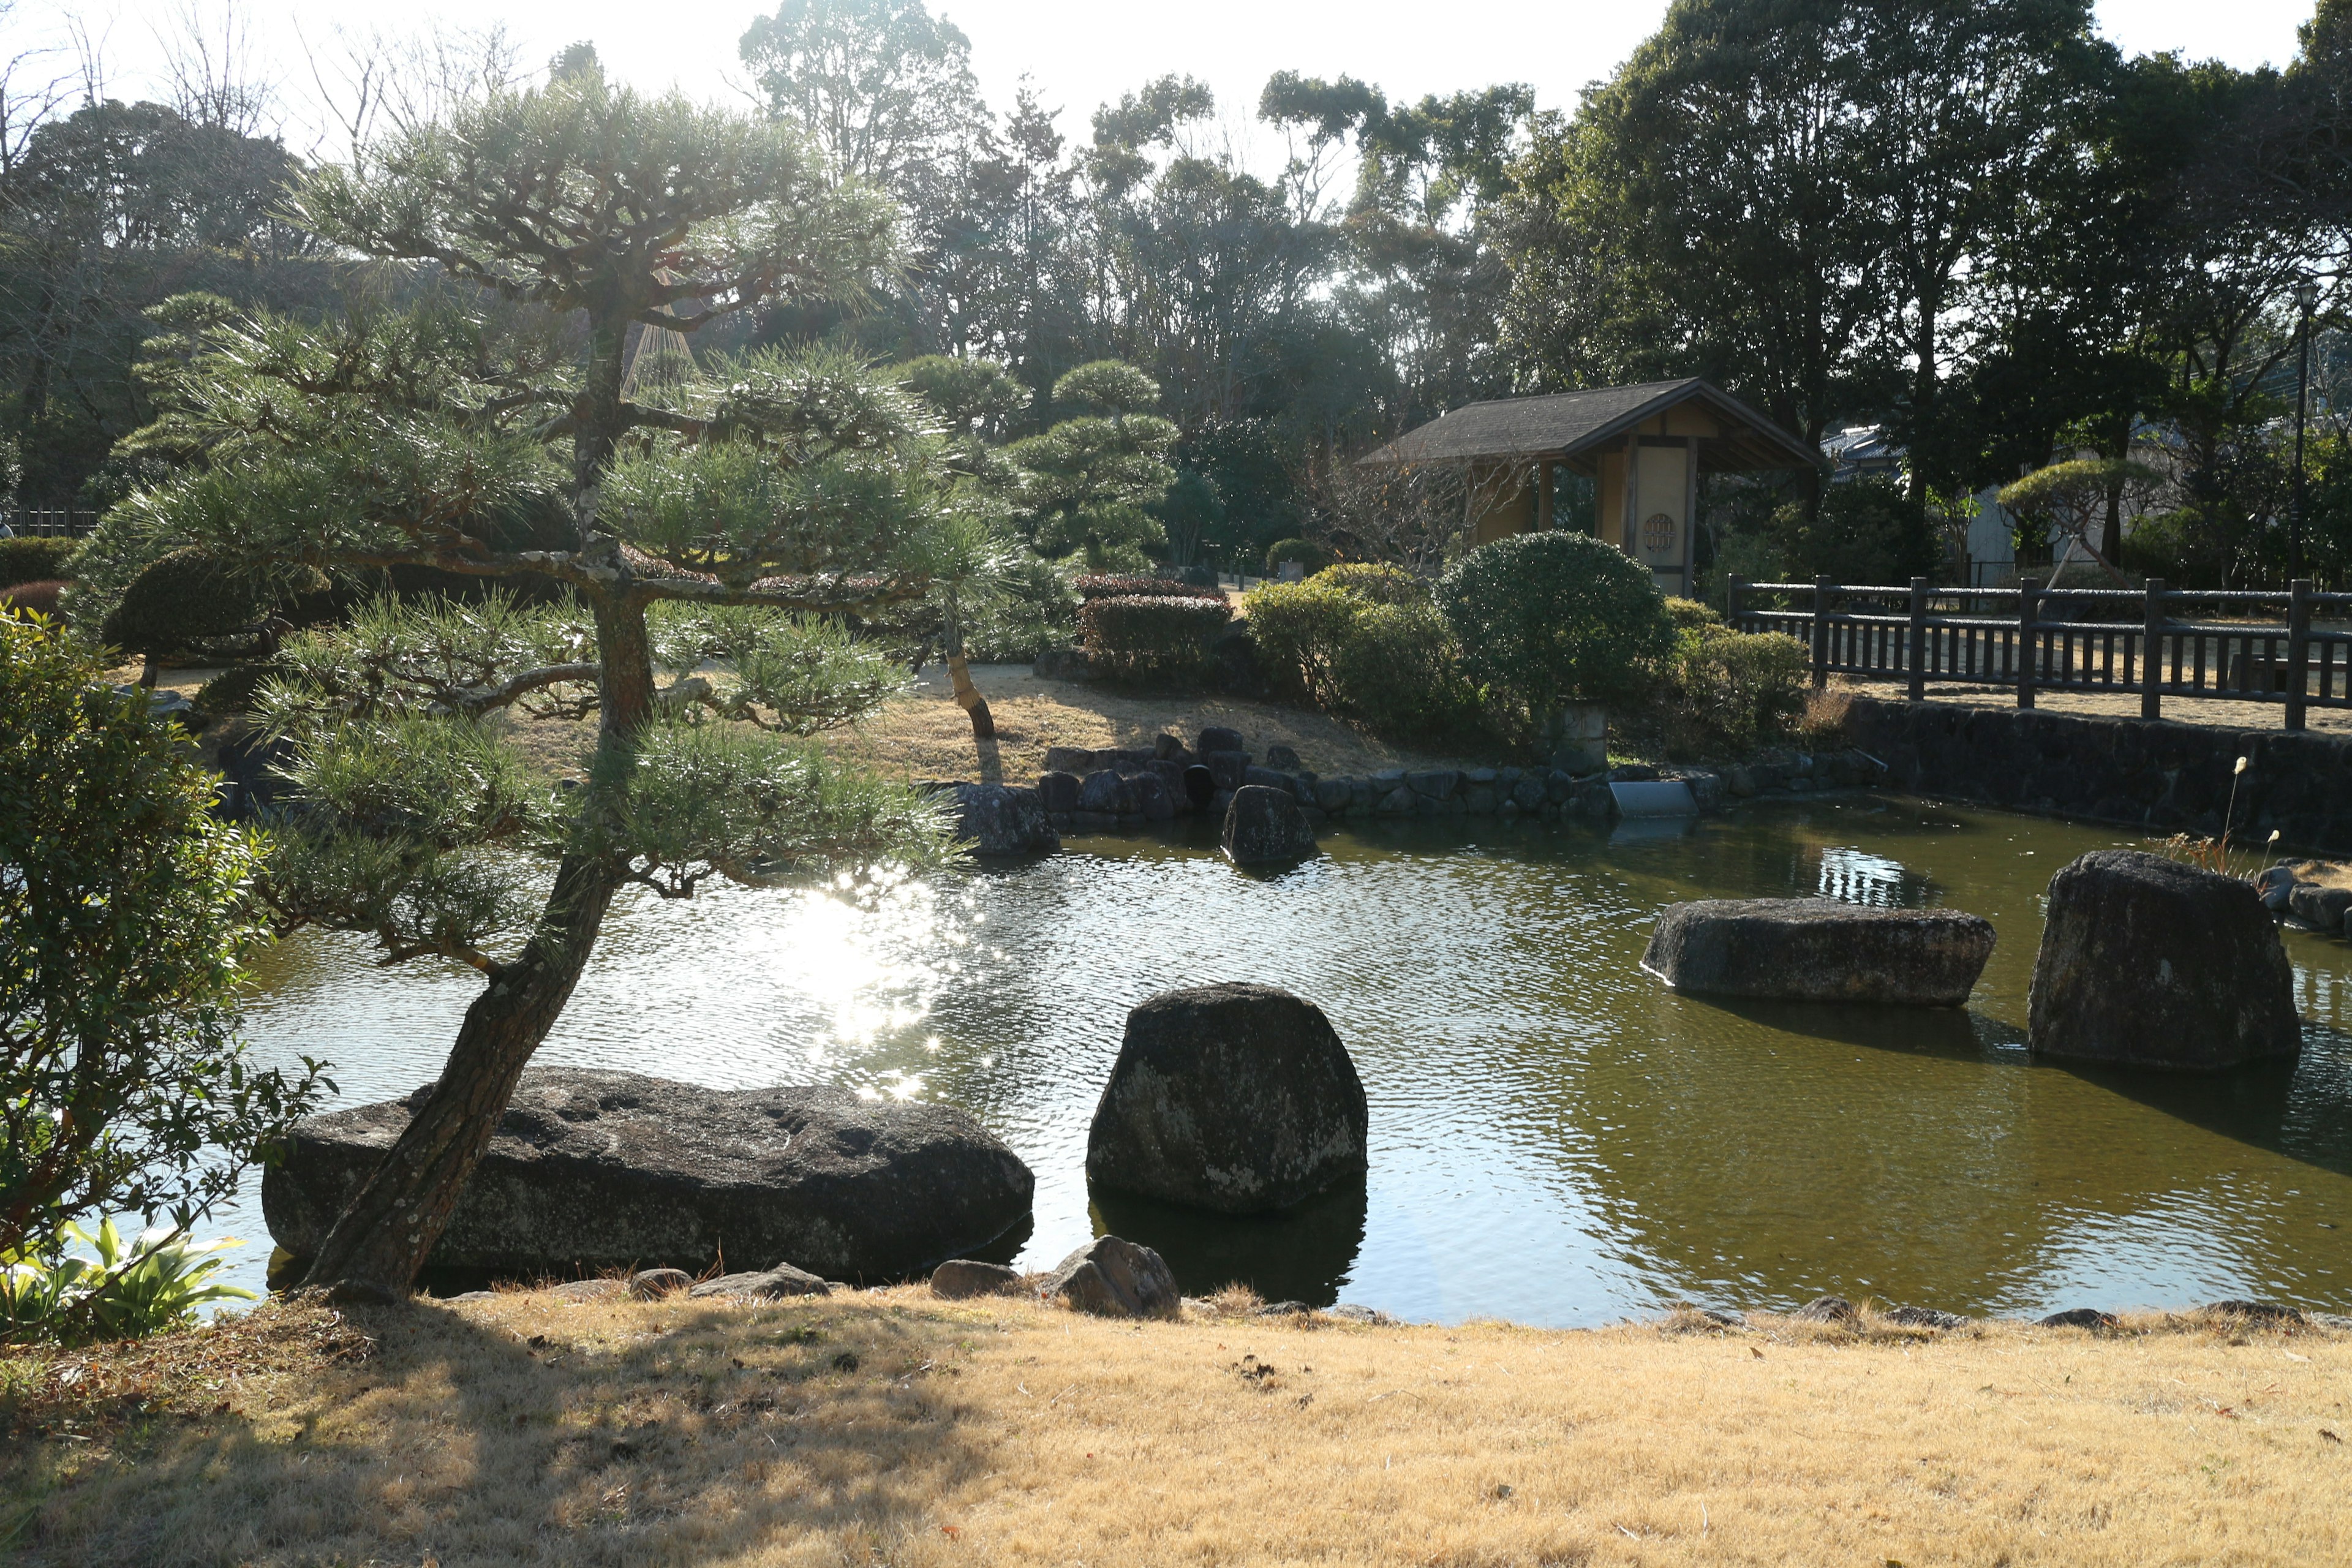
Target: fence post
{"x": 2298, "y": 649}
{"x": 1731, "y": 594}
{"x": 2029, "y": 589}
{"x": 1916, "y": 654}
{"x": 1821, "y": 632}
{"x": 2151, "y": 653}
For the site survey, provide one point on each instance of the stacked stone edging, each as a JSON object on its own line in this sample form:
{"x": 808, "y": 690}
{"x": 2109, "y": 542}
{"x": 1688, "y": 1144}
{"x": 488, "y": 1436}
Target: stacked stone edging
{"x": 1128, "y": 788}
{"x": 2150, "y": 774}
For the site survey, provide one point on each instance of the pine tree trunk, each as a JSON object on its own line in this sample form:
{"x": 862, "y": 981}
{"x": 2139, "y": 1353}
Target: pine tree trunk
{"x": 384, "y": 1236}
{"x": 391, "y": 1227}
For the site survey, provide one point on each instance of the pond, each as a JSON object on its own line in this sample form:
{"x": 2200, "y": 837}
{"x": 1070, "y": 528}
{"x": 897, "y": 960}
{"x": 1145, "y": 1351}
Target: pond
{"x": 1556, "y": 1138}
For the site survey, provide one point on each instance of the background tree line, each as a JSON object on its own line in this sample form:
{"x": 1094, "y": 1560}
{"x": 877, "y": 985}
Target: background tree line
{"x": 1978, "y": 225}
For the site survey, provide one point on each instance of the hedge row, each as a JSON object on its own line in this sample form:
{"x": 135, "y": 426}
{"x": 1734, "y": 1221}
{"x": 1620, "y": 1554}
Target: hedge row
{"x": 1113, "y": 585}
{"x": 1151, "y": 638}
{"x": 26, "y": 559}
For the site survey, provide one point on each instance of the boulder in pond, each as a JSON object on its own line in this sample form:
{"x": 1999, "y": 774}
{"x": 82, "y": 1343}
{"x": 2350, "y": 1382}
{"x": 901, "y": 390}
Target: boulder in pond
{"x": 1818, "y": 950}
{"x": 1264, "y": 827}
{"x": 2148, "y": 962}
{"x": 1116, "y": 1278}
{"x": 592, "y": 1169}
{"x": 1238, "y": 1098}
{"x": 998, "y": 820}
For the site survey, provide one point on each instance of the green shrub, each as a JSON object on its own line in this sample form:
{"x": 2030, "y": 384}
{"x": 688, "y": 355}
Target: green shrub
{"x": 182, "y": 601}
{"x": 233, "y": 690}
{"x": 1311, "y": 557}
{"x": 1299, "y": 628}
{"x": 1553, "y": 617}
{"x": 124, "y": 1292}
{"x": 1380, "y": 584}
{"x": 30, "y": 559}
{"x": 1160, "y": 639}
{"x": 1398, "y": 671}
{"x": 123, "y": 1087}
{"x": 1127, "y": 585}
{"x": 1725, "y": 693}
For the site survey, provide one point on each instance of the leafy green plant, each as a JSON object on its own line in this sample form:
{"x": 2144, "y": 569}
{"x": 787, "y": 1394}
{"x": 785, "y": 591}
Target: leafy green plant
{"x": 127, "y": 1290}
{"x": 1548, "y": 618}
{"x": 34, "y": 560}
{"x": 1398, "y": 670}
{"x": 1130, "y": 585}
{"x": 1724, "y": 692}
{"x": 1379, "y": 584}
{"x": 1299, "y": 629}
{"x": 1311, "y": 557}
{"x": 1165, "y": 638}
{"x": 1037, "y": 610}
{"x": 124, "y": 906}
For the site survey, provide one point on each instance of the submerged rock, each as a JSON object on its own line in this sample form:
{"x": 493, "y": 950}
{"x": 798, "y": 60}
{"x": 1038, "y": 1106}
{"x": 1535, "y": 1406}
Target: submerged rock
{"x": 2148, "y": 963}
{"x": 1116, "y": 1278}
{"x": 1239, "y": 1098}
{"x": 595, "y": 1170}
{"x": 1817, "y": 950}
{"x": 1264, "y": 827}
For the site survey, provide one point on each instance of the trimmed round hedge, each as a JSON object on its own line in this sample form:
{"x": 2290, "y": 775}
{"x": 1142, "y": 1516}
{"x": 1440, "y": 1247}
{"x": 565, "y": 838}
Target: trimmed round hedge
{"x": 1553, "y": 617}
{"x": 1152, "y": 639}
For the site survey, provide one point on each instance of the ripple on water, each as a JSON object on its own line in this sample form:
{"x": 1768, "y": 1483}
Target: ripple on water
{"x": 1556, "y": 1138}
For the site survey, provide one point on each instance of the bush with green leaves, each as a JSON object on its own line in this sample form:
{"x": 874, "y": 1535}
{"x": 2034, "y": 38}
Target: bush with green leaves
{"x": 1299, "y": 629}
{"x": 1158, "y": 639}
{"x": 1552, "y": 617}
{"x": 1096, "y": 585}
{"x": 1310, "y": 556}
{"x": 118, "y": 1290}
{"x": 1380, "y": 583}
{"x": 1863, "y": 530}
{"x": 127, "y": 909}
{"x": 1399, "y": 673}
{"x": 1724, "y": 693}
{"x": 28, "y": 558}
{"x": 1087, "y": 485}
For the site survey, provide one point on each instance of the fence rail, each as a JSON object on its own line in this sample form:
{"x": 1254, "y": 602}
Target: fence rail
{"x": 39, "y": 522}
{"x": 2034, "y": 638}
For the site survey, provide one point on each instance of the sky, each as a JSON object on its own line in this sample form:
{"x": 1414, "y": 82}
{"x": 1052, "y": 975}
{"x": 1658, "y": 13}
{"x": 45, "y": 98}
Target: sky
{"x": 1078, "y": 52}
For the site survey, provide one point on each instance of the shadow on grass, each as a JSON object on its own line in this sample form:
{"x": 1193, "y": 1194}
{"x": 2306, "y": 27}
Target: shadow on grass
{"x": 630, "y": 1434}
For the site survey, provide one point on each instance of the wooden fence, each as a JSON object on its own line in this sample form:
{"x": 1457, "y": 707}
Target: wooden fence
{"x": 44, "y": 523}
{"x": 2034, "y": 638}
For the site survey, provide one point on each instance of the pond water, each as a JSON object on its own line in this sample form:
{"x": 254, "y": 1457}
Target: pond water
{"x": 1556, "y": 1138}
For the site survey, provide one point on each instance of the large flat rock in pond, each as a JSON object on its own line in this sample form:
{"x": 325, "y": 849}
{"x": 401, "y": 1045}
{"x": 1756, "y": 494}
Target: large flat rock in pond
{"x": 2148, "y": 963}
{"x": 597, "y": 1170}
{"x": 1818, "y": 950}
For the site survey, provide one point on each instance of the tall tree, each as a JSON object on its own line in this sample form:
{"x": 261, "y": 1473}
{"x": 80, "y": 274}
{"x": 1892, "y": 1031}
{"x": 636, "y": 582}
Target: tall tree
{"x": 777, "y": 484}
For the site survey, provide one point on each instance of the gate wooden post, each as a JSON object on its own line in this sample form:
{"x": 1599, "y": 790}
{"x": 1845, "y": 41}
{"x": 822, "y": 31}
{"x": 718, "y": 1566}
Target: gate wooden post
{"x": 2298, "y": 649}
{"x": 2028, "y": 590}
{"x": 2151, "y": 653}
{"x": 1733, "y": 589}
{"x": 1915, "y": 654}
{"x": 1821, "y": 632}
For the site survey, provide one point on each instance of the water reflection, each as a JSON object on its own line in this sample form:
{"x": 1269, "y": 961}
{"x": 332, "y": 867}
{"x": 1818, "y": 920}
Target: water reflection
{"x": 1555, "y": 1137}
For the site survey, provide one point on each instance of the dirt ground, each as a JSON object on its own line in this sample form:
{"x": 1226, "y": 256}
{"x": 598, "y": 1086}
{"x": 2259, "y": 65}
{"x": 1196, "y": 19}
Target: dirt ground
{"x": 892, "y": 1427}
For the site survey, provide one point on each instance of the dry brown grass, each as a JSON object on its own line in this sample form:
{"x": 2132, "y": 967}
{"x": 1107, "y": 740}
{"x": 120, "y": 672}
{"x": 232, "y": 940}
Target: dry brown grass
{"x": 891, "y": 1428}
{"x": 924, "y": 735}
